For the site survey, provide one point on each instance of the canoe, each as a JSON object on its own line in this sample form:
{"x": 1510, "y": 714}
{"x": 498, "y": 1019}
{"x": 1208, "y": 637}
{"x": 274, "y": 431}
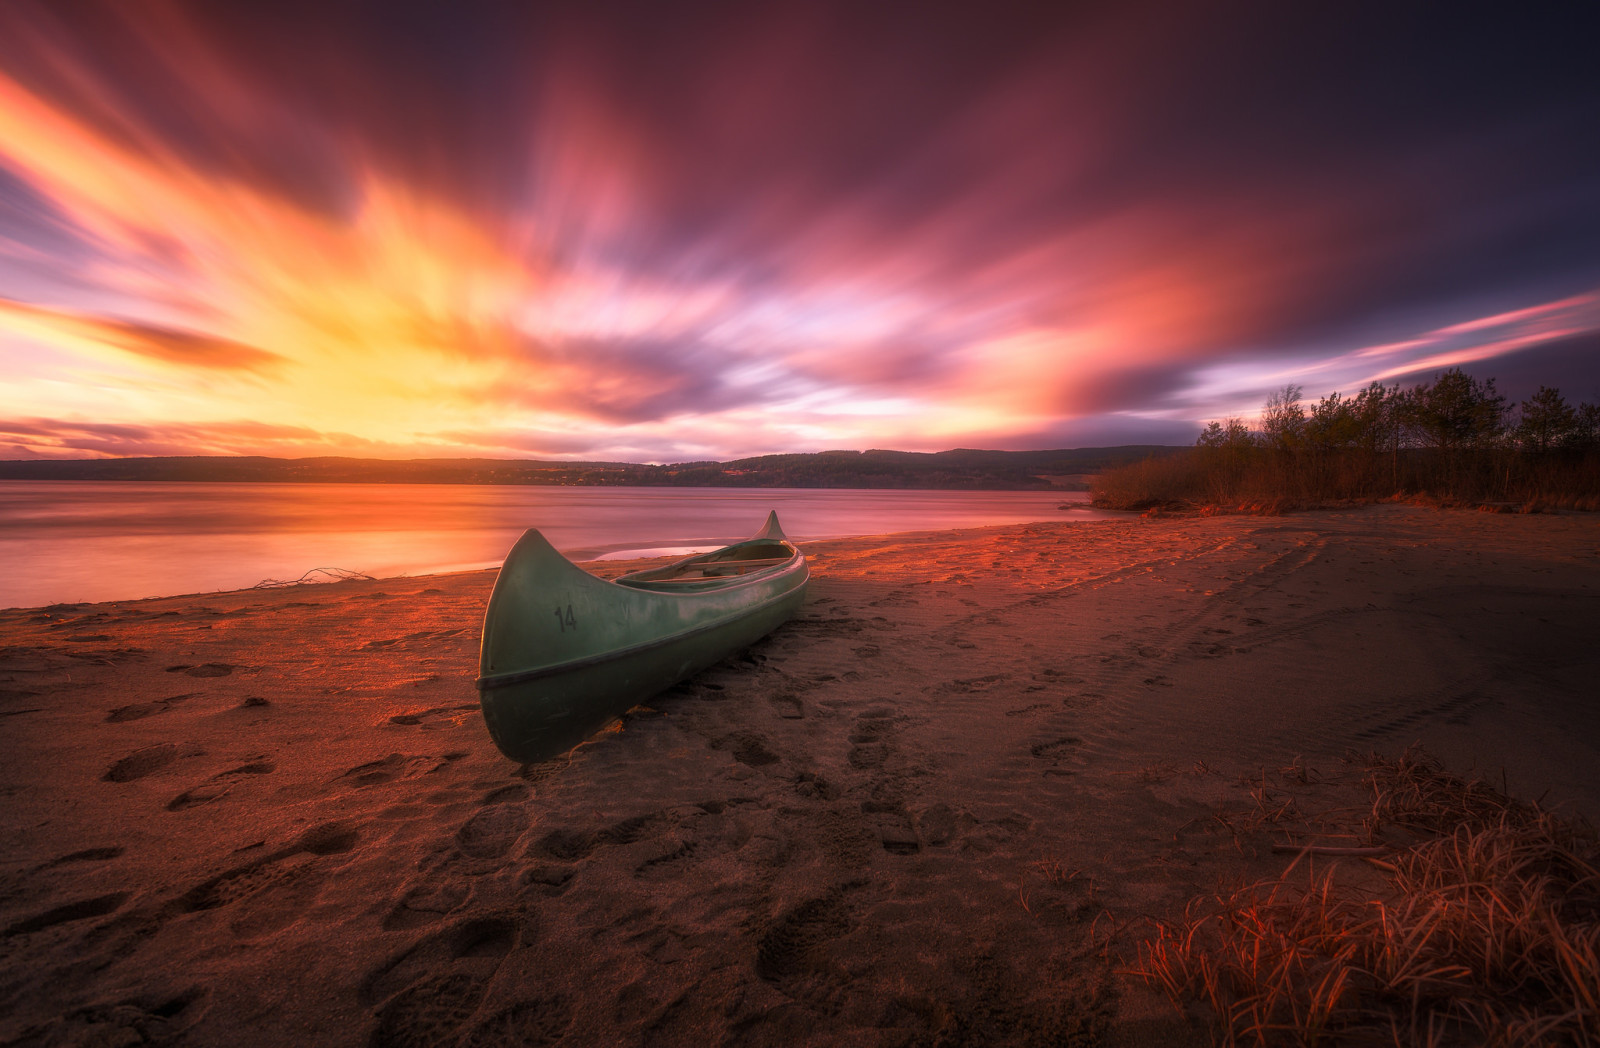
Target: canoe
{"x": 565, "y": 652}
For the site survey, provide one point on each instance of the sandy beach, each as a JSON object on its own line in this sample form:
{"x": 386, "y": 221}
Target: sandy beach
{"x": 936, "y": 808}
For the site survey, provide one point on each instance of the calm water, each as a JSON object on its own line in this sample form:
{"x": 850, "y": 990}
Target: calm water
{"x": 63, "y": 541}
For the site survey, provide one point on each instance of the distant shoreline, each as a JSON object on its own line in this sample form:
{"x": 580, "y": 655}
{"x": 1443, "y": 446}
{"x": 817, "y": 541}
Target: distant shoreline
{"x": 959, "y": 469}
{"x": 58, "y": 537}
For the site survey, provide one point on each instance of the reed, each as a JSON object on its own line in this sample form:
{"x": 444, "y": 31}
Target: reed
{"x": 1485, "y": 929}
{"x": 1451, "y": 441}
{"x": 1151, "y": 483}
{"x": 1260, "y": 481}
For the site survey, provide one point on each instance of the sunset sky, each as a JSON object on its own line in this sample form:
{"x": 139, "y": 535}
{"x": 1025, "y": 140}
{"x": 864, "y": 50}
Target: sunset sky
{"x": 664, "y": 232}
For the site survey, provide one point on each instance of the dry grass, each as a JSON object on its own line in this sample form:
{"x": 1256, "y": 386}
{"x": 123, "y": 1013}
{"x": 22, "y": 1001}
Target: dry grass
{"x": 1484, "y": 929}
{"x": 1152, "y": 483}
{"x": 1260, "y": 481}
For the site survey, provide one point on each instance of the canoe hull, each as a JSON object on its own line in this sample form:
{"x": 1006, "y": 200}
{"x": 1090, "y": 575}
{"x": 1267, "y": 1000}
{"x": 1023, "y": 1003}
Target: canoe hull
{"x": 564, "y": 652}
{"x": 537, "y": 719}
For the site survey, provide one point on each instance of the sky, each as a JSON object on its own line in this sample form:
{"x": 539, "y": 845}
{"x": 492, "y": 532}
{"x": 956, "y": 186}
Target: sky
{"x": 671, "y": 232}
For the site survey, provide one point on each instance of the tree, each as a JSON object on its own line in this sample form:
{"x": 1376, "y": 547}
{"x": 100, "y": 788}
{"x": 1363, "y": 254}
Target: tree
{"x": 1231, "y": 434}
{"x": 1586, "y": 426}
{"x": 1456, "y": 412}
{"x": 1376, "y": 412}
{"x": 1545, "y": 421}
{"x": 1283, "y": 420}
{"x": 1332, "y": 424}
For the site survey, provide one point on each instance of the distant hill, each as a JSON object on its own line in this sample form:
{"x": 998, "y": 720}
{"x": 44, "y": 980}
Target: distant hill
{"x": 961, "y": 468}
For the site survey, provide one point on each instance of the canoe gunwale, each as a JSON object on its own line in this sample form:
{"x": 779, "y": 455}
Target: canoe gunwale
{"x": 511, "y": 677}
{"x": 648, "y": 578}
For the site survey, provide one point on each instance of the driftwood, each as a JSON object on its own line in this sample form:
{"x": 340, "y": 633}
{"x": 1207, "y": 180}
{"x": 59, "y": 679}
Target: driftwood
{"x": 1330, "y": 849}
{"x": 314, "y": 576}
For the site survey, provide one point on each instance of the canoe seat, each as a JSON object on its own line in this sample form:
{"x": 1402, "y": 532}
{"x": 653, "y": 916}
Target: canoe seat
{"x": 739, "y": 567}
{"x": 693, "y": 574}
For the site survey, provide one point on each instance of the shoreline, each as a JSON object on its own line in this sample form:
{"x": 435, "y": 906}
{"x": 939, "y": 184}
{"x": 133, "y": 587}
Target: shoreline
{"x": 939, "y": 799}
{"x": 85, "y": 547}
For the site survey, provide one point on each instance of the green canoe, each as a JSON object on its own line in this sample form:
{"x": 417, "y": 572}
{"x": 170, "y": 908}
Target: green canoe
{"x": 565, "y": 652}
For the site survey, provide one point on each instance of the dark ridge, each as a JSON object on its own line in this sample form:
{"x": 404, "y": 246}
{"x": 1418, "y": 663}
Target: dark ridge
{"x": 966, "y": 468}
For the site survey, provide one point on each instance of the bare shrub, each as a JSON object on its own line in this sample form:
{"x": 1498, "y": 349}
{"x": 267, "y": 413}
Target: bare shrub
{"x": 1451, "y": 442}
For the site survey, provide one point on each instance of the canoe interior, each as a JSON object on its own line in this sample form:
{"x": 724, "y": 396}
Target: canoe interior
{"x": 755, "y": 557}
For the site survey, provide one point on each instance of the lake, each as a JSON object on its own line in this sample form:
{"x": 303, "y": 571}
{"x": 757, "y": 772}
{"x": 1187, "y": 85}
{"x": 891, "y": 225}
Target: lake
{"x": 68, "y": 541}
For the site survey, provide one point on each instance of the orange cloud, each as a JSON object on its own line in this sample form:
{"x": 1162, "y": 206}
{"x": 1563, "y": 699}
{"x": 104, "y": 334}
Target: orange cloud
{"x": 188, "y": 349}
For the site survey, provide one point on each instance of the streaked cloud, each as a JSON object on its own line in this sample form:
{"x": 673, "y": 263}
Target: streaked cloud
{"x": 608, "y": 233}
{"x": 173, "y": 346}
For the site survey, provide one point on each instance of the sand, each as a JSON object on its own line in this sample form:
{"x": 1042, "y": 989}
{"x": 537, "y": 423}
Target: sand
{"x": 935, "y": 808}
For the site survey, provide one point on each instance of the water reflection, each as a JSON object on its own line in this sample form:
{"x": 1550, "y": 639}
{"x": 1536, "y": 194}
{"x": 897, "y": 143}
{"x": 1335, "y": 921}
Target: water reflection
{"x": 65, "y": 541}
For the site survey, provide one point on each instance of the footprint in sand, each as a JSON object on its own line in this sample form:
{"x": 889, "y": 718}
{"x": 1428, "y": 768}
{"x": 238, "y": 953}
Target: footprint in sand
{"x": 1456, "y": 709}
{"x": 1026, "y": 711}
{"x": 147, "y": 1019}
{"x": 423, "y": 1007}
{"x": 257, "y": 766}
{"x": 393, "y": 767}
{"x": 631, "y": 829}
{"x": 281, "y": 900}
{"x": 473, "y": 947}
{"x": 892, "y": 823}
{"x": 748, "y": 748}
{"x": 209, "y": 669}
{"x": 427, "y": 904}
{"x": 791, "y": 952}
{"x": 564, "y": 845}
{"x": 836, "y": 627}
{"x": 218, "y": 786}
{"x": 197, "y": 796}
{"x": 550, "y": 880}
{"x": 226, "y": 887}
{"x": 143, "y": 762}
{"x": 972, "y": 685}
{"x": 938, "y": 825}
{"x": 570, "y": 845}
{"x": 667, "y": 853}
{"x": 1056, "y": 749}
{"x": 526, "y": 1024}
{"x": 869, "y": 746}
{"x": 141, "y": 710}
{"x": 868, "y": 756}
{"x": 230, "y": 886}
{"x": 81, "y": 910}
{"x": 85, "y": 855}
{"x": 788, "y": 706}
{"x": 429, "y": 1013}
{"x": 506, "y": 794}
{"x": 492, "y": 831}
{"x": 435, "y": 718}
{"x": 814, "y": 787}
